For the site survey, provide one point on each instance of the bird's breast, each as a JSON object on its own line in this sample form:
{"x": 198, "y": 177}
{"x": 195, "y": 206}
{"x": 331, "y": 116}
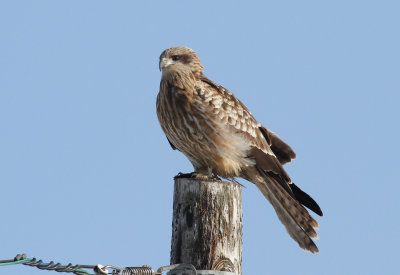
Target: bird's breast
{"x": 194, "y": 127}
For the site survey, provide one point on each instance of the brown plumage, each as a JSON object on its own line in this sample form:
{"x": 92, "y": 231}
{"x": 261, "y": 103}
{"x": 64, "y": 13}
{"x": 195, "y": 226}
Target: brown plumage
{"x": 220, "y": 136}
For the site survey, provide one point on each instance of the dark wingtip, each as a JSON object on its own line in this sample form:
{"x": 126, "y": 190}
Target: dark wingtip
{"x": 306, "y": 200}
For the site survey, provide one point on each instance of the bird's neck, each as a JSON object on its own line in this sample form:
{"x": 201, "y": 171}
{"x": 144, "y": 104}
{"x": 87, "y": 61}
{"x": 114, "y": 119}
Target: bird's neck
{"x": 181, "y": 78}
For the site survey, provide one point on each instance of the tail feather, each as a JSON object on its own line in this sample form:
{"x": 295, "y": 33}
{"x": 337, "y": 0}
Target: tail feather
{"x": 301, "y": 216}
{"x": 296, "y": 219}
{"x": 305, "y": 199}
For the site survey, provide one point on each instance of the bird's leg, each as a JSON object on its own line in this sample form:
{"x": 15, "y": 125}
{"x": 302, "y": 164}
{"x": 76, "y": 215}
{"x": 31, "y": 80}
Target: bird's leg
{"x": 215, "y": 177}
{"x": 203, "y": 173}
{"x": 200, "y": 174}
{"x": 209, "y": 172}
{"x": 211, "y": 175}
{"x": 193, "y": 175}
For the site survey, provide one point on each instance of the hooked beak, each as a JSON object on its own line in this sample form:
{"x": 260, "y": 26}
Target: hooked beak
{"x": 164, "y": 62}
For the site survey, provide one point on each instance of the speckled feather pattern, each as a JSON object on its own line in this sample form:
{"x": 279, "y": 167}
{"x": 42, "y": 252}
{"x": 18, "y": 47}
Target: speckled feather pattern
{"x": 197, "y": 126}
{"x": 217, "y": 133}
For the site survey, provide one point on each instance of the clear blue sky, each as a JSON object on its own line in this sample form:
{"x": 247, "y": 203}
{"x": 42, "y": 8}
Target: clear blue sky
{"x": 86, "y": 172}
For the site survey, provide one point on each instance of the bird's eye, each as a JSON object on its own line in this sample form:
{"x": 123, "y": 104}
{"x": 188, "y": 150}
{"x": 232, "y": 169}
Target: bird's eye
{"x": 175, "y": 57}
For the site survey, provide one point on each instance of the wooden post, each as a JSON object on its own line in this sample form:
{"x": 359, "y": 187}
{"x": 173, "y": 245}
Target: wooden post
{"x": 207, "y": 225}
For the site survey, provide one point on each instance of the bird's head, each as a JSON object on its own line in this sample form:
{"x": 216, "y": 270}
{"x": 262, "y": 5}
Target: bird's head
{"x": 181, "y": 56}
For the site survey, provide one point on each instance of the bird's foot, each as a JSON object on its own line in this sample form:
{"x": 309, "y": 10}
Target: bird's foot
{"x": 197, "y": 176}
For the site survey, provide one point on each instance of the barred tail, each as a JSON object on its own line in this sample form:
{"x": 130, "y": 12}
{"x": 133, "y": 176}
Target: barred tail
{"x": 296, "y": 219}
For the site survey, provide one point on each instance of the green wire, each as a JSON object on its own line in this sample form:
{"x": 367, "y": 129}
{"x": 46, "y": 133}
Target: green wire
{"x": 16, "y": 262}
{"x": 82, "y": 271}
{"x": 29, "y": 259}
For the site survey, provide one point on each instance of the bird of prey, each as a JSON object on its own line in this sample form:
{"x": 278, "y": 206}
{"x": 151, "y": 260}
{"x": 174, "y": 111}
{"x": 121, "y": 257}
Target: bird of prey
{"x": 220, "y": 137}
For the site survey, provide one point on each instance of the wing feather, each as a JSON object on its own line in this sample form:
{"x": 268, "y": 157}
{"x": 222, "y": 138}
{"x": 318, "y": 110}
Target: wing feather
{"x": 170, "y": 143}
{"x": 267, "y": 148}
{"x": 233, "y": 112}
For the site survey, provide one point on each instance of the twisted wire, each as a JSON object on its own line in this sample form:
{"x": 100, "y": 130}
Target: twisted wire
{"x": 76, "y": 269}
{"x": 58, "y": 267}
{"x": 98, "y": 269}
{"x": 22, "y": 259}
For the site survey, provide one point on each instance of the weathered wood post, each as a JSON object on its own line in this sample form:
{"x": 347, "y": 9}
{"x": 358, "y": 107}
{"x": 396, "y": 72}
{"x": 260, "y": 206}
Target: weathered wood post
{"x": 207, "y": 225}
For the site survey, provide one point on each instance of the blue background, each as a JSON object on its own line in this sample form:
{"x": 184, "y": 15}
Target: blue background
{"x": 86, "y": 172}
